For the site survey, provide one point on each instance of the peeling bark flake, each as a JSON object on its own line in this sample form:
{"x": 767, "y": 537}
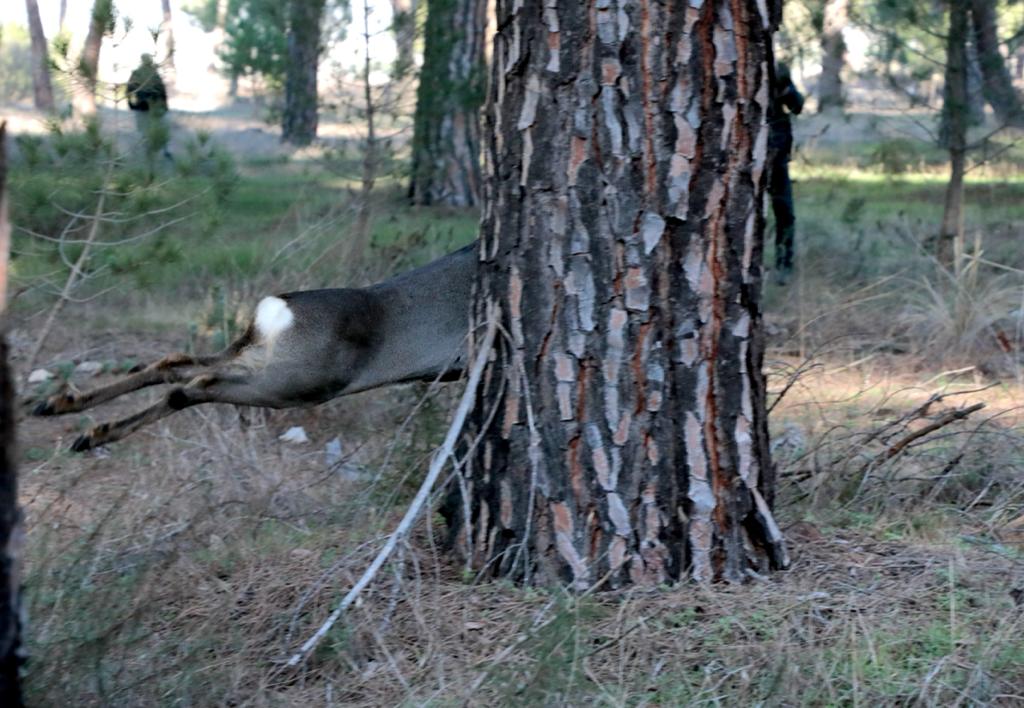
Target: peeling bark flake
{"x": 618, "y": 514}
{"x": 564, "y": 542}
{"x": 617, "y": 555}
{"x": 702, "y": 500}
{"x": 528, "y": 114}
{"x": 564, "y": 393}
{"x": 651, "y": 231}
{"x": 577, "y": 154}
{"x": 554, "y": 36}
{"x": 506, "y": 504}
{"x": 638, "y": 292}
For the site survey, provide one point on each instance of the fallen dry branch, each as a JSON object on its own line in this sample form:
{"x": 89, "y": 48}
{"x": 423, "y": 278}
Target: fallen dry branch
{"x": 901, "y": 444}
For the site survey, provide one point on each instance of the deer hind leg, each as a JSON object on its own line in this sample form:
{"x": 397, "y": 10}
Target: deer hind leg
{"x": 242, "y": 389}
{"x": 165, "y": 371}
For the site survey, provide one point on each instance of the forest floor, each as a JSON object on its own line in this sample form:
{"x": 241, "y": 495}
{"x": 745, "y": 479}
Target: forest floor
{"x": 184, "y": 564}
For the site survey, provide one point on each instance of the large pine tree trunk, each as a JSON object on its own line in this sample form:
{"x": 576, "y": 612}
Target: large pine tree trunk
{"x": 623, "y": 432}
{"x": 300, "y": 98}
{"x": 833, "y": 55}
{"x": 997, "y": 85}
{"x": 42, "y": 88}
{"x": 89, "y": 62}
{"x": 955, "y": 115}
{"x": 11, "y": 533}
{"x": 446, "y": 135}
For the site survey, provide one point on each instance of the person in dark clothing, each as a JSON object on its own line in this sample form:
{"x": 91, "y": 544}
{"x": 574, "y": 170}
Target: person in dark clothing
{"x": 147, "y": 97}
{"x": 786, "y": 101}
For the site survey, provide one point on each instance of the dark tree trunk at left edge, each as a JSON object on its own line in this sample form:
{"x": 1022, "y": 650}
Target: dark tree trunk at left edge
{"x": 11, "y": 532}
{"x": 300, "y": 120}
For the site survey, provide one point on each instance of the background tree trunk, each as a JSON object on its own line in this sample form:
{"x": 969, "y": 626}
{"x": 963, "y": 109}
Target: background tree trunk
{"x": 42, "y": 89}
{"x": 623, "y": 432}
{"x": 88, "y": 65}
{"x": 63, "y": 14}
{"x": 955, "y": 114}
{"x": 403, "y": 25}
{"x": 446, "y": 138}
{"x": 11, "y": 532}
{"x": 997, "y": 85}
{"x": 300, "y": 110}
{"x": 833, "y": 55}
{"x": 167, "y": 31}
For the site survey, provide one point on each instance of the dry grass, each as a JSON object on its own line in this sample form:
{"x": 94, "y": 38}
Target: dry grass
{"x": 185, "y": 565}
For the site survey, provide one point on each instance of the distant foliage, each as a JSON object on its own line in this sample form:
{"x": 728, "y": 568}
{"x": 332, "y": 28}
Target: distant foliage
{"x": 204, "y": 12}
{"x": 256, "y": 43}
{"x": 896, "y": 156}
{"x": 54, "y": 190}
{"x": 15, "y": 60}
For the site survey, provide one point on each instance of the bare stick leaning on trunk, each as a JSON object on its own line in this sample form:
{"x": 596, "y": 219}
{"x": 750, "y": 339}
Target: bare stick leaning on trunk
{"x": 436, "y": 465}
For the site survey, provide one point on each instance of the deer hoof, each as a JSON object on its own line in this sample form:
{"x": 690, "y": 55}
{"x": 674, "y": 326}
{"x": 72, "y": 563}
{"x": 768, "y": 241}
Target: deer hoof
{"x": 44, "y": 407}
{"x": 81, "y": 443}
{"x": 56, "y": 405}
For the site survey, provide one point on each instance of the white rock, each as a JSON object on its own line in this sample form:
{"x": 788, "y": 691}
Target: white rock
{"x": 39, "y": 376}
{"x": 89, "y": 368}
{"x": 332, "y": 452}
{"x": 296, "y": 434}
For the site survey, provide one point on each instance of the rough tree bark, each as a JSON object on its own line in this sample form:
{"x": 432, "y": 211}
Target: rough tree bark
{"x": 997, "y": 85}
{"x": 42, "y": 88}
{"x": 300, "y": 119}
{"x": 11, "y": 532}
{"x": 622, "y": 426}
{"x": 833, "y": 55}
{"x": 88, "y": 64}
{"x": 955, "y": 115}
{"x": 446, "y": 133}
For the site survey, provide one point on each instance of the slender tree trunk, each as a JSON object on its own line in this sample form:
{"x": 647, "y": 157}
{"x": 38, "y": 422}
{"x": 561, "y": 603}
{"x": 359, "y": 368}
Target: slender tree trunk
{"x": 300, "y": 93}
{"x": 622, "y": 427}
{"x": 11, "y": 532}
{"x": 42, "y": 89}
{"x": 446, "y": 139}
{"x": 361, "y": 234}
{"x": 833, "y": 55}
{"x": 167, "y": 30}
{"x": 997, "y": 84}
{"x": 88, "y": 65}
{"x": 955, "y": 114}
{"x": 403, "y": 25}
{"x": 63, "y": 14}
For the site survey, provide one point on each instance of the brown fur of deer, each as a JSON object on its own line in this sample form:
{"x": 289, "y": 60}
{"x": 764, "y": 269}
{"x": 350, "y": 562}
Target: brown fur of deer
{"x": 307, "y": 347}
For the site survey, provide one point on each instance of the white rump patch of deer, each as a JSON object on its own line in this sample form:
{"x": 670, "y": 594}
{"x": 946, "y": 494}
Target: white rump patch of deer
{"x": 272, "y": 317}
